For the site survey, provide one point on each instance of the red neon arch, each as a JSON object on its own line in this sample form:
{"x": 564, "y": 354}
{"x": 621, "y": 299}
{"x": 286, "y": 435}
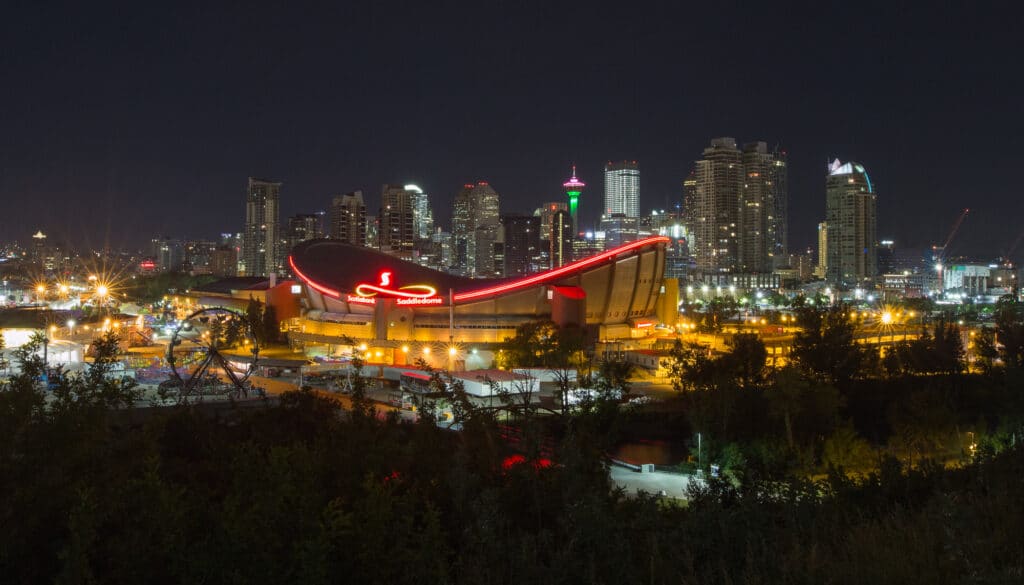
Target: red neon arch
{"x": 313, "y": 285}
{"x": 560, "y": 271}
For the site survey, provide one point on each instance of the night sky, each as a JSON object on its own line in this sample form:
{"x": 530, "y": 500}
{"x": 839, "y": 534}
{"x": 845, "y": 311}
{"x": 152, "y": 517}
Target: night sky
{"x": 120, "y": 125}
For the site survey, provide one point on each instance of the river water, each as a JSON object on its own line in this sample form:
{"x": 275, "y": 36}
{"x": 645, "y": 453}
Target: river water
{"x": 658, "y": 452}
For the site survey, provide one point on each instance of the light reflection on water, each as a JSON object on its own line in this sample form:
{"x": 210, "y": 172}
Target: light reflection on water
{"x": 648, "y": 451}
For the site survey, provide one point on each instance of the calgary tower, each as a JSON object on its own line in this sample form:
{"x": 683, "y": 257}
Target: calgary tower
{"x": 573, "y": 189}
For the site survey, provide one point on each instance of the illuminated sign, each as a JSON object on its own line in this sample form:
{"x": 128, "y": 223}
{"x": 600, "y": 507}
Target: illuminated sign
{"x": 423, "y": 301}
{"x": 412, "y": 291}
{"x": 361, "y": 300}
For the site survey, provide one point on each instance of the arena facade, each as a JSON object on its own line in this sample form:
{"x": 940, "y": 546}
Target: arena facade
{"x": 391, "y": 306}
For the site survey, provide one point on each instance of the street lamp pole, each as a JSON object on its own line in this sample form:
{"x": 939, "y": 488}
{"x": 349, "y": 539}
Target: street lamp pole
{"x": 699, "y": 468}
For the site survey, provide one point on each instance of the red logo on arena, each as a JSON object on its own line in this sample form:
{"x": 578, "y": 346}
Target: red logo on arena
{"x": 412, "y": 291}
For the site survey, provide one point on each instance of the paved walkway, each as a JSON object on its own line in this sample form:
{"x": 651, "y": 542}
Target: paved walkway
{"x": 674, "y": 485}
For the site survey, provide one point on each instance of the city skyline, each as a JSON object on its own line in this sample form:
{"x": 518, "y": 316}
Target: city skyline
{"x": 161, "y": 151}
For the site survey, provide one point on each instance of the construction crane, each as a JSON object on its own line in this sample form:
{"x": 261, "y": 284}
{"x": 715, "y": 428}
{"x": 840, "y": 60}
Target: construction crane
{"x": 940, "y": 259}
{"x": 1008, "y": 256}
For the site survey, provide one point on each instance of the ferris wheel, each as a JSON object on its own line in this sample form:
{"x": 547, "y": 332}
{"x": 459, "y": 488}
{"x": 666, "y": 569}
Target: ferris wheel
{"x": 198, "y": 368}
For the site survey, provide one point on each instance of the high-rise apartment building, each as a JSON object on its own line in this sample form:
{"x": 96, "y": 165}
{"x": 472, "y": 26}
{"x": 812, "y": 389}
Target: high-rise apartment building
{"x": 851, "y": 216}
{"x": 622, "y": 188}
{"x": 348, "y": 219}
{"x": 735, "y": 207}
{"x": 224, "y": 261}
{"x": 302, "y": 227}
{"x": 521, "y": 234}
{"x": 397, "y": 226}
{"x": 169, "y": 254}
{"x": 822, "y": 269}
{"x": 475, "y": 224}
{"x": 712, "y": 205}
{"x": 763, "y": 227}
{"x": 198, "y": 256}
{"x": 261, "y": 253}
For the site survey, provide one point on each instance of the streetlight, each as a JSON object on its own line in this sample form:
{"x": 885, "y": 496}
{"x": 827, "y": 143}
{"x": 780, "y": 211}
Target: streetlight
{"x": 71, "y": 327}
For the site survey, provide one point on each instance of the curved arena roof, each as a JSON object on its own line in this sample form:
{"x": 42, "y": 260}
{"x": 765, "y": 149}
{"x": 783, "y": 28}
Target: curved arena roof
{"x": 335, "y": 268}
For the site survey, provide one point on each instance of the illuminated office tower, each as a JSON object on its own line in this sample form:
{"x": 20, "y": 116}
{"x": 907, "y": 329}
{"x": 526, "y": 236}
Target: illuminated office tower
{"x": 561, "y": 239}
{"x": 422, "y": 214}
{"x": 521, "y": 235}
{"x": 622, "y": 188}
{"x": 851, "y": 215}
{"x": 475, "y": 225}
{"x": 261, "y": 245}
{"x": 397, "y": 220}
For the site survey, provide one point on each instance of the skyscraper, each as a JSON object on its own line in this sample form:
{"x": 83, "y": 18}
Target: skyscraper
{"x": 573, "y": 189}
{"x": 302, "y": 227}
{"x": 619, "y": 229}
{"x": 822, "y": 269}
{"x": 348, "y": 219}
{"x": 397, "y": 226}
{"x": 475, "y": 224}
{"x": 762, "y": 209}
{"x": 851, "y": 216}
{"x": 521, "y": 234}
{"x": 712, "y": 205}
{"x": 546, "y": 213}
{"x": 461, "y": 228}
{"x": 261, "y": 253}
{"x": 561, "y": 239}
{"x": 735, "y": 207}
{"x": 422, "y": 214}
{"x": 622, "y": 188}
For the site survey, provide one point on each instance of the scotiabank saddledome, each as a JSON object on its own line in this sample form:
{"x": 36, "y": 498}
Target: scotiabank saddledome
{"x": 367, "y": 295}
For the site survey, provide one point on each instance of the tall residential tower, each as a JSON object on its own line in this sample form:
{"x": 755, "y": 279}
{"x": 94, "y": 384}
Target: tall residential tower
{"x": 712, "y": 205}
{"x": 261, "y": 244}
{"x": 852, "y": 225}
{"x": 735, "y": 207}
{"x": 348, "y": 219}
{"x": 762, "y": 214}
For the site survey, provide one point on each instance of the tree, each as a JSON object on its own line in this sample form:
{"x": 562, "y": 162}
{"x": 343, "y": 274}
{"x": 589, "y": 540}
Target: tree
{"x": 826, "y": 347}
{"x": 717, "y": 312}
{"x": 233, "y": 332}
{"x": 689, "y": 366}
{"x": 542, "y": 344}
{"x": 254, "y": 318}
{"x": 215, "y": 329}
{"x": 844, "y": 449}
{"x": 270, "y": 326}
{"x": 1009, "y": 331}
{"x": 746, "y": 359}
